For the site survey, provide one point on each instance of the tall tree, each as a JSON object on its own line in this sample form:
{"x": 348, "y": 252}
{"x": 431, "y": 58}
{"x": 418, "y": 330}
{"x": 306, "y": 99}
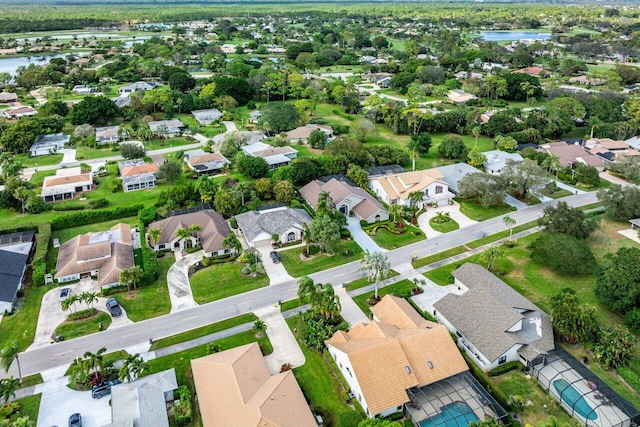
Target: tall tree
{"x": 491, "y": 255}
{"x": 377, "y": 266}
{"x": 571, "y": 319}
{"x": 509, "y": 222}
{"x": 95, "y": 362}
{"x": 10, "y": 354}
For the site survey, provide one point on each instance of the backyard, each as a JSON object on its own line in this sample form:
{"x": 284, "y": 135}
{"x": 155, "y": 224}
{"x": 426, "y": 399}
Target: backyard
{"x": 344, "y": 252}
{"x": 223, "y": 280}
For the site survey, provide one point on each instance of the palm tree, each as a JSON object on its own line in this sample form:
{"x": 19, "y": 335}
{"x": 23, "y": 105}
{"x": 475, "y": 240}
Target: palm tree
{"x": 154, "y": 235}
{"x": 94, "y": 362}
{"x": 328, "y": 303}
{"x": 194, "y": 229}
{"x": 67, "y": 303}
{"x": 415, "y": 197}
{"x": 595, "y": 123}
{"x": 231, "y": 241}
{"x": 324, "y": 202}
{"x": 394, "y": 211}
{"x": 476, "y": 131}
{"x": 552, "y": 163}
{"x": 306, "y": 236}
{"x": 183, "y": 233}
{"x": 259, "y": 328}
{"x": 8, "y": 355}
{"x": 377, "y": 266}
{"x": 413, "y": 146}
{"x": 131, "y": 277}
{"x": 491, "y": 255}
{"x": 214, "y": 347}
{"x": 132, "y": 367}
{"x": 89, "y": 298}
{"x": 509, "y": 222}
{"x": 8, "y": 387}
{"x": 307, "y": 289}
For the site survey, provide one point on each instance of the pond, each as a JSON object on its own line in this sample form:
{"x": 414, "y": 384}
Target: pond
{"x": 10, "y": 65}
{"x": 496, "y": 36}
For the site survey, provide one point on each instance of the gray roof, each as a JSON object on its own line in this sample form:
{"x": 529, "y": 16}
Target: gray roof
{"x": 497, "y": 160}
{"x": 51, "y": 141}
{"x": 207, "y": 116}
{"x": 633, "y": 142}
{"x": 139, "y": 86}
{"x": 453, "y": 174}
{"x": 173, "y": 126}
{"x": 12, "y": 266}
{"x": 122, "y": 101}
{"x": 141, "y": 403}
{"x": 275, "y": 221}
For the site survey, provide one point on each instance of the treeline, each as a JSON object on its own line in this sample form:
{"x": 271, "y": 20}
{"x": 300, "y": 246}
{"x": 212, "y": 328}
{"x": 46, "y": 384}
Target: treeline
{"x": 30, "y": 25}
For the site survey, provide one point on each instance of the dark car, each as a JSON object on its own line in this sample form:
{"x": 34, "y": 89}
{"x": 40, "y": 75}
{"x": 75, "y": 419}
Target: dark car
{"x": 100, "y": 390}
{"x": 114, "y": 382}
{"x": 64, "y": 293}
{"x": 113, "y": 307}
{"x": 275, "y": 257}
{"x": 75, "y": 420}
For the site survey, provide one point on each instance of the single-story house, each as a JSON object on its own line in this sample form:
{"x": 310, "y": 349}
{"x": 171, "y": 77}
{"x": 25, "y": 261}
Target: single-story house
{"x": 202, "y": 162}
{"x": 143, "y": 402}
{"x": 496, "y": 160}
{"x": 585, "y": 80}
{"x": 19, "y": 112}
{"x": 137, "y": 87}
{"x": 347, "y": 198}
{"x": 274, "y": 156}
{"x": 214, "y": 230}
{"x": 107, "y": 135}
{"x": 206, "y": 117}
{"x": 633, "y": 142}
{"x": 459, "y": 96}
{"x": 48, "y": 144}
{"x": 254, "y": 116}
{"x": 8, "y": 97}
{"x": 468, "y": 75}
{"x": 83, "y": 89}
{"x": 571, "y": 154}
{"x": 400, "y": 362}
{"x": 397, "y": 188}
{"x": 65, "y": 184}
{"x": 16, "y": 251}
{"x": 137, "y": 174}
{"x": 166, "y": 128}
{"x": 259, "y": 226}
{"x": 493, "y": 322}
{"x": 122, "y": 101}
{"x": 533, "y": 71}
{"x": 235, "y": 388}
{"x": 103, "y": 254}
{"x": 453, "y": 174}
{"x": 302, "y": 133}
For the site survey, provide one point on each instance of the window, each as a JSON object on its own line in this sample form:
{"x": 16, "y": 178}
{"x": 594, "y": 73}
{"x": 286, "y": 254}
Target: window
{"x": 349, "y": 371}
{"x": 291, "y": 237}
{"x": 438, "y": 189}
{"x": 502, "y": 360}
{"x": 426, "y": 192}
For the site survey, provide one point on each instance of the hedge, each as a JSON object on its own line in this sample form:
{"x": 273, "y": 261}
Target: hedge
{"x": 182, "y": 406}
{"x": 151, "y": 266}
{"x": 43, "y": 240}
{"x": 113, "y": 290}
{"x": 487, "y": 383}
{"x": 82, "y": 314}
{"x": 630, "y": 377}
{"x": 90, "y": 217}
{"x": 67, "y": 207}
{"x": 506, "y": 367}
{"x": 343, "y": 115}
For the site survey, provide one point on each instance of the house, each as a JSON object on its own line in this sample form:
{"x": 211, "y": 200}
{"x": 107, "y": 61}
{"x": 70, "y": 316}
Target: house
{"x": 533, "y": 71}
{"x": 453, "y": 174}
{"x": 400, "y": 362}
{"x": 122, "y": 101}
{"x": 137, "y": 87}
{"x": 107, "y": 135}
{"x": 347, "y": 198}
{"x": 137, "y": 174}
{"x": 213, "y": 231}
{"x": 16, "y": 251}
{"x": 102, "y": 254}
{"x": 143, "y": 402}
{"x": 460, "y": 96}
{"x": 496, "y": 160}
{"x": 570, "y": 154}
{"x": 259, "y": 226}
{"x": 228, "y": 48}
{"x": 83, "y": 89}
{"x": 633, "y": 142}
{"x": 166, "y": 128}
{"x": 206, "y": 117}
{"x": 397, "y": 188}
{"x": 19, "y": 112}
{"x": 235, "y": 388}
{"x": 8, "y": 97}
{"x": 302, "y": 133}
{"x": 254, "y": 116}
{"x": 48, "y": 144}
{"x": 65, "y": 184}
{"x": 493, "y": 322}
{"x": 274, "y": 156}
{"x": 589, "y": 81}
{"x": 460, "y": 75}
{"x": 609, "y": 149}
{"x": 202, "y": 162}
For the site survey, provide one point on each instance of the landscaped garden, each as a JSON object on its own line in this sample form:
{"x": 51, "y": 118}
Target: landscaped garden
{"x": 443, "y": 223}
{"x": 345, "y": 251}
{"x": 390, "y": 236}
{"x": 224, "y": 280}
{"x": 76, "y": 328}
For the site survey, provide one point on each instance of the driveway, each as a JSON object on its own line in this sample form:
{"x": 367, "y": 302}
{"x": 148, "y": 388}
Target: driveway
{"x": 285, "y": 346}
{"x": 68, "y": 155}
{"x": 361, "y": 237}
{"x": 613, "y": 179}
{"x": 350, "y": 312}
{"x": 276, "y": 272}
{"x": 434, "y": 293}
{"x": 512, "y": 201}
{"x": 454, "y": 210}
{"x": 178, "y": 281}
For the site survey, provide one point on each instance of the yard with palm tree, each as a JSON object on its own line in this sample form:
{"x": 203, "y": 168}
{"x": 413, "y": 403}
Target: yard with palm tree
{"x": 70, "y": 329}
{"x": 224, "y": 280}
{"x": 345, "y": 251}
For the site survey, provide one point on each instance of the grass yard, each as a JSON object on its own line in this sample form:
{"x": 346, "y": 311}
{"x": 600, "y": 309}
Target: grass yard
{"x": 361, "y": 283}
{"x": 501, "y": 235}
{"x": 28, "y": 162}
{"x": 209, "y": 131}
{"x": 21, "y": 326}
{"x": 156, "y": 144}
{"x": 345, "y": 251}
{"x": 37, "y": 178}
{"x": 205, "y": 330}
{"x": 70, "y": 329}
{"x": 223, "y": 280}
{"x": 401, "y": 289}
{"x": 151, "y": 300}
{"x": 478, "y": 212}
{"x": 29, "y": 407}
{"x": 387, "y": 240}
{"x": 69, "y": 233}
{"x": 444, "y": 227}
{"x": 438, "y": 257}
{"x": 137, "y": 257}
{"x": 559, "y": 193}
{"x": 31, "y": 380}
{"x": 87, "y": 153}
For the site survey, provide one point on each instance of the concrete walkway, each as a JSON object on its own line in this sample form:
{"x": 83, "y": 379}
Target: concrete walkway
{"x": 512, "y": 201}
{"x": 454, "y": 210}
{"x": 285, "y": 346}
{"x": 178, "y": 282}
{"x": 568, "y": 187}
{"x": 350, "y": 312}
{"x": 361, "y": 237}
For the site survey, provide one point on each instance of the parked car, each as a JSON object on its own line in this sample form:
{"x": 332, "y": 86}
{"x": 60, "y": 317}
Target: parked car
{"x": 114, "y": 382}
{"x": 64, "y": 293}
{"x": 75, "y": 420}
{"x": 100, "y": 390}
{"x": 275, "y": 257}
{"x": 113, "y": 307}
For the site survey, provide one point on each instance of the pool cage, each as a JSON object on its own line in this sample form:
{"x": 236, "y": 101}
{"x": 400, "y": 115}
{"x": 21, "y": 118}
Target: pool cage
{"x": 462, "y": 392}
{"x": 582, "y": 393}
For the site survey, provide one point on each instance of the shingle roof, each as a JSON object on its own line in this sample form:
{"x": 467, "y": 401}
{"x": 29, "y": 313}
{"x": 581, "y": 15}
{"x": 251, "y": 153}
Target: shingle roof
{"x": 11, "y": 268}
{"x": 339, "y": 191}
{"x": 214, "y": 228}
{"x": 453, "y": 174}
{"x": 277, "y": 221}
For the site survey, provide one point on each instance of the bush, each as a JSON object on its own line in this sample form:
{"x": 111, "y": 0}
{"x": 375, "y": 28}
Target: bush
{"x": 82, "y": 314}
{"x": 632, "y": 320}
{"x": 98, "y": 203}
{"x": 43, "y": 240}
{"x": 506, "y": 367}
{"x": 8, "y": 409}
{"x": 349, "y": 419}
{"x": 147, "y": 215}
{"x": 151, "y": 266}
{"x": 326, "y": 414}
{"x": 182, "y": 406}
{"x": 67, "y": 207}
{"x": 630, "y": 377}
{"x": 343, "y": 115}
{"x": 39, "y": 271}
{"x": 562, "y": 253}
{"x": 113, "y": 290}
{"x": 114, "y": 186}
{"x": 90, "y": 217}
{"x": 206, "y": 261}
{"x": 233, "y": 223}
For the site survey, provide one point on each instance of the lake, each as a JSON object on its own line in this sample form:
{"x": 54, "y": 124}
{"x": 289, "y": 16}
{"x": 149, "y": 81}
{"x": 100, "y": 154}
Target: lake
{"x": 496, "y": 36}
{"x": 10, "y": 65}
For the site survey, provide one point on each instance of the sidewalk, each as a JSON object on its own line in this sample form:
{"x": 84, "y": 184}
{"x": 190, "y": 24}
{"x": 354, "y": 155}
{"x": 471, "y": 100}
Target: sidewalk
{"x": 361, "y": 237}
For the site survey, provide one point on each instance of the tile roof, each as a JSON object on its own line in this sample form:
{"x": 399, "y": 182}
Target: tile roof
{"x": 339, "y": 191}
{"x": 214, "y": 228}
{"x": 140, "y": 170}
{"x": 453, "y": 174}
{"x": 399, "y": 186}
{"x": 571, "y": 153}
{"x": 274, "y": 221}
{"x": 304, "y": 132}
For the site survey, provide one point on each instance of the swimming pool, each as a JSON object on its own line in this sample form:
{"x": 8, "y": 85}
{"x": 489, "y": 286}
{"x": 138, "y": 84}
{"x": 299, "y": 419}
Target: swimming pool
{"x": 456, "y": 414}
{"x": 574, "y": 399}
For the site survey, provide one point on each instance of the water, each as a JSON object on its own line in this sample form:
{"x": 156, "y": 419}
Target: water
{"x": 78, "y": 36}
{"x": 496, "y": 36}
{"x": 456, "y": 414}
{"x": 10, "y": 65}
{"x": 574, "y": 399}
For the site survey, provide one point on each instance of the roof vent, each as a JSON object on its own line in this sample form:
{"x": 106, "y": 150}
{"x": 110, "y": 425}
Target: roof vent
{"x": 430, "y": 364}
{"x": 408, "y": 369}
{"x": 271, "y": 397}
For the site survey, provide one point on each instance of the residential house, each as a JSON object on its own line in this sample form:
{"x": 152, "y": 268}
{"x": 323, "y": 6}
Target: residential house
{"x": 166, "y": 128}
{"x": 496, "y": 160}
{"x": 397, "y": 188}
{"x": 302, "y": 133}
{"x": 122, "y": 101}
{"x": 137, "y": 174}
{"x": 493, "y": 322}
{"x": 533, "y": 71}
{"x": 274, "y": 156}
{"x": 610, "y": 150}
{"x": 143, "y": 402}
{"x": 460, "y": 96}
{"x": 453, "y": 174}
{"x": 461, "y": 75}
{"x": 65, "y": 184}
{"x": 206, "y": 117}
{"x": 258, "y": 227}
{"x": 83, "y": 89}
{"x": 235, "y": 388}
{"x": 102, "y": 254}
{"x": 8, "y": 97}
{"x": 633, "y": 142}
{"x": 48, "y": 144}
{"x": 202, "y": 162}
{"x": 214, "y": 230}
{"x": 347, "y": 198}
{"x": 570, "y": 154}
{"x": 228, "y": 48}
{"x": 107, "y": 135}
{"x": 631, "y": 89}
{"x": 137, "y": 87}
{"x": 400, "y": 362}
{"x": 588, "y": 81}
{"x": 16, "y": 251}
{"x": 254, "y": 116}
{"x": 20, "y": 112}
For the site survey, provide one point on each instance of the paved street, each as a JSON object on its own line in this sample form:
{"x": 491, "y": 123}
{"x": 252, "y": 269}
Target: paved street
{"x": 173, "y": 323}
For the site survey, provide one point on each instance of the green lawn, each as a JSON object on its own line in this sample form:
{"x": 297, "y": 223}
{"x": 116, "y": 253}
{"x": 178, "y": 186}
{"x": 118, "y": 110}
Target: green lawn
{"x": 205, "y": 330}
{"x": 28, "y": 162}
{"x": 156, "y": 144}
{"x": 561, "y": 192}
{"x": 444, "y": 227}
{"x": 70, "y": 329}
{"x": 29, "y": 407}
{"x": 345, "y": 251}
{"x": 387, "y": 240}
{"x": 21, "y": 326}
{"x": 223, "y": 280}
{"x": 478, "y": 212}
{"x": 361, "y": 283}
{"x": 37, "y": 178}
{"x": 209, "y": 131}
{"x": 87, "y": 153}
{"x": 151, "y": 300}
{"x": 502, "y": 234}
{"x": 438, "y": 257}
{"x": 69, "y": 233}
{"x": 137, "y": 257}
{"x": 31, "y": 380}
{"x": 401, "y": 289}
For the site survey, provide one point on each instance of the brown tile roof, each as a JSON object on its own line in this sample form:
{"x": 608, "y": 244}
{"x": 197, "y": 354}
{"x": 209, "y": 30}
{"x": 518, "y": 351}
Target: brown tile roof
{"x": 214, "y": 228}
{"x": 398, "y": 311}
{"x": 571, "y": 153}
{"x": 399, "y": 186}
{"x": 140, "y": 170}
{"x": 8, "y": 96}
{"x": 52, "y": 181}
{"x": 272, "y": 151}
{"x": 235, "y": 388}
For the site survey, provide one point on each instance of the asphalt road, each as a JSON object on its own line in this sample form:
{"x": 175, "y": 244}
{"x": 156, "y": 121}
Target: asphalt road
{"x": 65, "y": 352}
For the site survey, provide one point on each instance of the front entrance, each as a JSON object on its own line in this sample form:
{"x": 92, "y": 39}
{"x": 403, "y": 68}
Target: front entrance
{"x": 344, "y": 210}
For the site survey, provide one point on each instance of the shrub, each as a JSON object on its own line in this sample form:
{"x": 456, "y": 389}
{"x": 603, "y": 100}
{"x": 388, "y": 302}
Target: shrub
{"x": 8, "y": 409}
{"x": 562, "y": 253}
{"x": 147, "y": 215}
{"x": 206, "y": 262}
{"x": 506, "y": 367}
{"x": 233, "y": 223}
{"x": 151, "y": 266}
{"x": 98, "y": 203}
{"x": 113, "y": 290}
{"x": 343, "y": 115}
{"x": 82, "y": 314}
{"x": 43, "y": 239}
{"x": 326, "y": 414}
{"x": 67, "y": 207}
{"x": 90, "y": 217}
{"x": 39, "y": 271}
{"x": 182, "y": 407}
{"x": 349, "y": 419}
{"x": 632, "y": 320}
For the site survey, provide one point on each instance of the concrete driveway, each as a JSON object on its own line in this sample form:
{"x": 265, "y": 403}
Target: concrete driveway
{"x": 454, "y": 210}
{"x": 276, "y": 272}
{"x": 285, "y": 346}
{"x": 350, "y": 312}
{"x": 361, "y": 237}
{"x": 178, "y": 281}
